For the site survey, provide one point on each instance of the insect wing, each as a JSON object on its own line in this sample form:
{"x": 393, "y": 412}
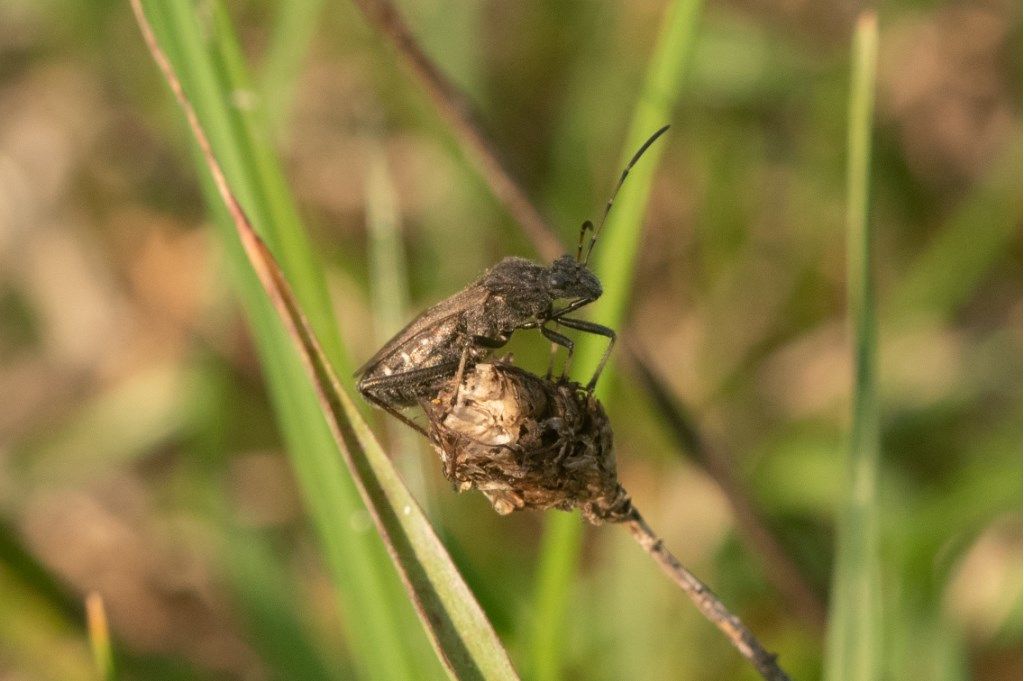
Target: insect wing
{"x": 433, "y": 326}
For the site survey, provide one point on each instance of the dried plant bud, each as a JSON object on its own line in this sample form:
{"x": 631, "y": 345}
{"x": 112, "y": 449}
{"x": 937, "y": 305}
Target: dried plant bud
{"x": 527, "y": 442}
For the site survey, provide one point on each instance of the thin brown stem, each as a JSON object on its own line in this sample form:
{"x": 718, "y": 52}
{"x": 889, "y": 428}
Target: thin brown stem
{"x": 705, "y": 600}
{"x": 780, "y": 569}
{"x": 456, "y": 108}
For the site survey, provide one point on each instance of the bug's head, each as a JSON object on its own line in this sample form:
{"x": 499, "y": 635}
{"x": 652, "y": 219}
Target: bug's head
{"x": 569, "y": 278}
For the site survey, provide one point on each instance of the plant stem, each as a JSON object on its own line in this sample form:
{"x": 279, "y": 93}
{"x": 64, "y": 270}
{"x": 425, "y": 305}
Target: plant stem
{"x": 457, "y": 109}
{"x": 705, "y": 600}
{"x": 779, "y": 567}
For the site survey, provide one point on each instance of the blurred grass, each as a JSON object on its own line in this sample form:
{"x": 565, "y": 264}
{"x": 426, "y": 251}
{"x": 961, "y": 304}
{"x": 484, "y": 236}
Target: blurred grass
{"x": 855, "y": 627}
{"x": 614, "y": 261}
{"x": 973, "y": 239}
{"x": 95, "y": 440}
{"x": 265, "y": 594}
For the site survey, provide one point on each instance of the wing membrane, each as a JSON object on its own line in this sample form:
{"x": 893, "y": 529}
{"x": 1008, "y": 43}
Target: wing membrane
{"x": 434, "y": 316}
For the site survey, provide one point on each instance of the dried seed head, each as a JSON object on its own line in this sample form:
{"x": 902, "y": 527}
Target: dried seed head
{"x": 527, "y": 442}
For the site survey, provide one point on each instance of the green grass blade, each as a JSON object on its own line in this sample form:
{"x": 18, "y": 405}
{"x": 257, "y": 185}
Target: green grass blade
{"x": 460, "y": 632}
{"x": 855, "y": 619}
{"x": 614, "y": 263}
{"x": 390, "y": 302}
{"x": 282, "y": 223}
{"x": 458, "y": 628}
{"x": 560, "y": 549}
{"x": 294, "y": 26}
{"x": 972, "y": 241}
{"x": 370, "y": 596}
{"x": 265, "y": 595}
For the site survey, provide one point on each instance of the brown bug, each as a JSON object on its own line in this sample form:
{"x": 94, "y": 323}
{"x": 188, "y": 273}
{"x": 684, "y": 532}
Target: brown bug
{"x": 436, "y": 347}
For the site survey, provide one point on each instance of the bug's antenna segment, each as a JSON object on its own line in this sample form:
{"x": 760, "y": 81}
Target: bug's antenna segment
{"x": 587, "y": 226}
{"x": 622, "y": 178}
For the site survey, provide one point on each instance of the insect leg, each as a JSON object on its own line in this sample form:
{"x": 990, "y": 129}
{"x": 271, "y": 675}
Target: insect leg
{"x": 591, "y": 327}
{"x": 554, "y": 345}
{"x": 376, "y": 401}
{"x": 571, "y": 307}
{"x": 551, "y": 360}
{"x": 457, "y": 385}
{"x": 558, "y": 339}
{"x": 403, "y": 388}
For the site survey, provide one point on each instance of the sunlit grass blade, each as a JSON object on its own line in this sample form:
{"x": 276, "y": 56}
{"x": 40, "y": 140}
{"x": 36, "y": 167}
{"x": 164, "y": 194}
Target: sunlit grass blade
{"x": 99, "y": 636}
{"x": 614, "y": 263}
{"x": 370, "y": 596}
{"x": 457, "y": 627}
{"x": 855, "y": 619}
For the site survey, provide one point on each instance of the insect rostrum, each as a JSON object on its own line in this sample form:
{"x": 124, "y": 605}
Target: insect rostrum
{"x": 438, "y": 346}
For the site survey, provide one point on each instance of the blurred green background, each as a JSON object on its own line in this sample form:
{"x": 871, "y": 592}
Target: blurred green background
{"x": 140, "y": 456}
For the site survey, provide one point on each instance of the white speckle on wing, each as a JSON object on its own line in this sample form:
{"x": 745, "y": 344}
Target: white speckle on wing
{"x": 406, "y": 359}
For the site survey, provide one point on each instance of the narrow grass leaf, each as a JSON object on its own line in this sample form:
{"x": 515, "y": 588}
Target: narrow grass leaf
{"x": 615, "y": 260}
{"x": 460, "y": 632}
{"x": 370, "y": 596}
{"x": 389, "y": 299}
{"x": 271, "y": 615}
{"x": 99, "y": 636}
{"x": 295, "y": 23}
{"x": 854, "y": 651}
{"x": 972, "y": 242}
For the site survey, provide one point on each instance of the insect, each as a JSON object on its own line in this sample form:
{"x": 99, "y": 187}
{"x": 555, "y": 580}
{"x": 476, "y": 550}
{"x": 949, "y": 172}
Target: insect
{"x": 436, "y": 347}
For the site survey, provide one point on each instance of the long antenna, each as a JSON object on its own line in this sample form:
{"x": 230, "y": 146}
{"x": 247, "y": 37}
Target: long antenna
{"x": 622, "y": 178}
{"x": 587, "y": 226}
